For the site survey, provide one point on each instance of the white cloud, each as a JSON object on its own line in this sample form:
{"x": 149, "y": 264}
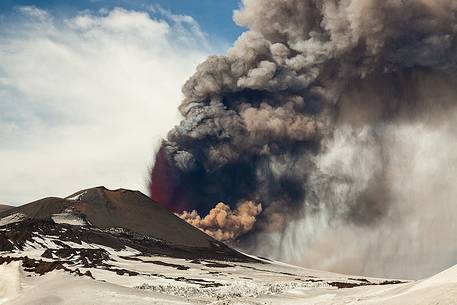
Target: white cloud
{"x": 85, "y": 100}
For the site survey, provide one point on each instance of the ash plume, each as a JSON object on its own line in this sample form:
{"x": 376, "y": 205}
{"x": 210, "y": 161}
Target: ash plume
{"x": 306, "y": 114}
{"x": 224, "y": 224}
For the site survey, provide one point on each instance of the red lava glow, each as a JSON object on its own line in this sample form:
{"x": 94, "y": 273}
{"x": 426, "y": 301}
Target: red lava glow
{"x": 165, "y": 187}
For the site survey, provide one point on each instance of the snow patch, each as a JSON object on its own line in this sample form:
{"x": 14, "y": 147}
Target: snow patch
{"x": 238, "y": 289}
{"x": 76, "y": 197}
{"x": 16, "y": 217}
{"x": 68, "y": 217}
{"x": 10, "y": 281}
{"x": 448, "y": 276}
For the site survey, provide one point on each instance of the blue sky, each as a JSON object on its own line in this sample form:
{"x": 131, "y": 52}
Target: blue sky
{"x": 214, "y": 16}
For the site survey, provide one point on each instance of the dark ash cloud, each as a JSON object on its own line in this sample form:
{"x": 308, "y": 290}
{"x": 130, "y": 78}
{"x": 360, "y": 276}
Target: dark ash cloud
{"x": 310, "y": 80}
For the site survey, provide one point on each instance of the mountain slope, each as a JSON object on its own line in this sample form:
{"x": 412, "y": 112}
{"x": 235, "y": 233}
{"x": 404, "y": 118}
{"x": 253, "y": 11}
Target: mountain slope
{"x": 121, "y": 213}
{"x": 126, "y": 209}
{"x": 4, "y": 207}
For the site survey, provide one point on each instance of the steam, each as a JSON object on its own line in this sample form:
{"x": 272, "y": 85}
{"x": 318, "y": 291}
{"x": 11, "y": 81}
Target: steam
{"x": 317, "y": 113}
{"x": 224, "y": 224}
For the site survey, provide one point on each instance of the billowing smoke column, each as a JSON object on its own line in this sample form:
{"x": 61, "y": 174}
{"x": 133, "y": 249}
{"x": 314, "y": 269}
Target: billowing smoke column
{"x": 306, "y": 115}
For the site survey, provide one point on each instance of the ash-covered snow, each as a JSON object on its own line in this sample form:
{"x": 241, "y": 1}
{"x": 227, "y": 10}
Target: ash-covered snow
{"x": 10, "y": 281}
{"x": 237, "y": 289}
{"x": 77, "y": 196}
{"x": 17, "y": 217}
{"x": 69, "y": 218}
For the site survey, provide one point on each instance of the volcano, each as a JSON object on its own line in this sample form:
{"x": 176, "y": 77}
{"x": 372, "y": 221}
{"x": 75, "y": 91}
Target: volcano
{"x": 124, "y": 217}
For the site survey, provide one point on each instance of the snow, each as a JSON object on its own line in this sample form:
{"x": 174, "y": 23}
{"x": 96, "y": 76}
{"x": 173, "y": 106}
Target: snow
{"x": 77, "y": 196}
{"x": 158, "y": 284}
{"x": 64, "y": 289}
{"x": 16, "y": 217}
{"x": 68, "y": 218}
{"x": 438, "y": 289}
{"x": 10, "y": 281}
{"x": 173, "y": 281}
{"x": 448, "y": 276}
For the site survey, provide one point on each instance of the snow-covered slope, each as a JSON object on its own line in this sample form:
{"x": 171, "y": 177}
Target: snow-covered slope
{"x": 50, "y": 270}
{"x": 53, "y": 253}
{"x": 126, "y": 277}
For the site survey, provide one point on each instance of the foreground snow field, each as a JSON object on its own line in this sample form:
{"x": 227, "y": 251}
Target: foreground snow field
{"x": 129, "y": 278}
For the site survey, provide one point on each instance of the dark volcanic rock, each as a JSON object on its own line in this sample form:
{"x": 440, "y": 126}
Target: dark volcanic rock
{"x": 5, "y": 244}
{"x": 39, "y": 266}
{"x": 89, "y": 258}
{"x": 4, "y": 207}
